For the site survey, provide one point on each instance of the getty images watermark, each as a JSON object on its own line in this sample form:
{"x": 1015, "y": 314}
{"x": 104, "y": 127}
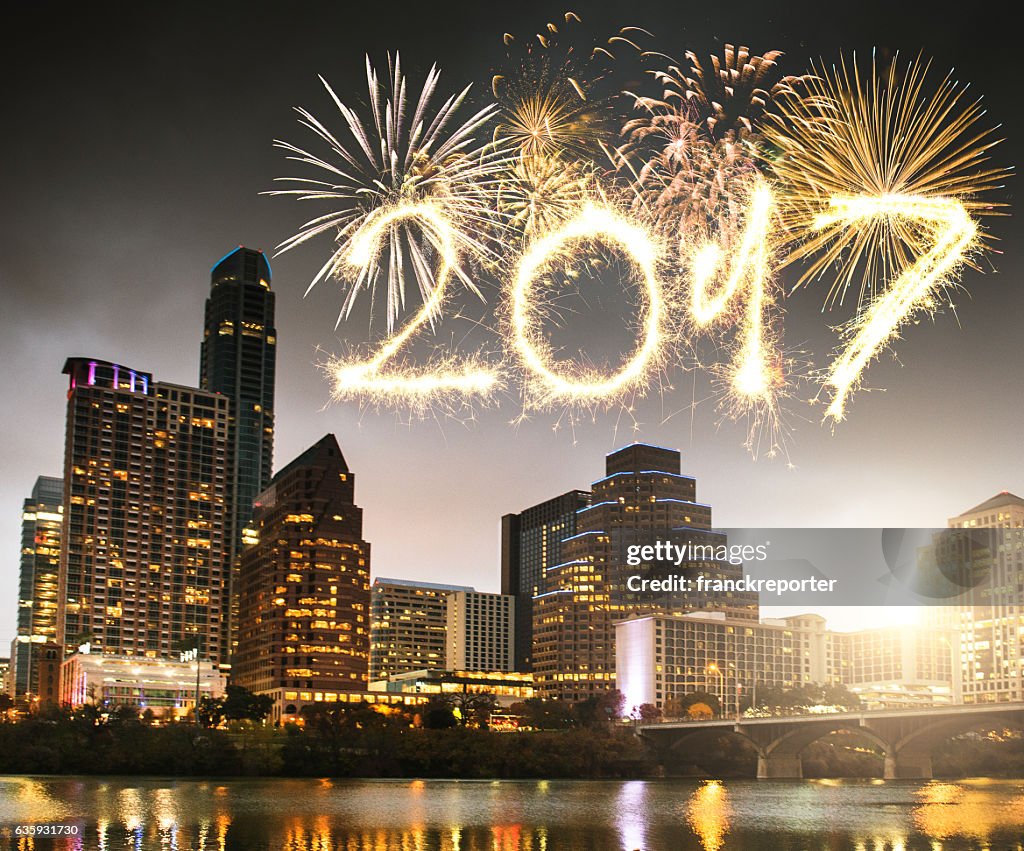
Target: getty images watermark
{"x": 848, "y": 567}
{"x": 690, "y": 553}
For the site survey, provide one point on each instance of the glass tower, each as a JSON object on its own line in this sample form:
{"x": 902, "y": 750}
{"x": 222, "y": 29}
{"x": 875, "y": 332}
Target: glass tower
{"x": 237, "y": 360}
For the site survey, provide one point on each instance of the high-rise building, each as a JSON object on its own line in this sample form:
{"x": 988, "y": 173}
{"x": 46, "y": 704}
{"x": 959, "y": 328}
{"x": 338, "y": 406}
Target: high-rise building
{"x": 991, "y": 624}
{"x": 408, "y": 626}
{"x": 531, "y": 542}
{"x": 480, "y": 633}
{"x": 304, "y": 586}
{"x": 643, "y": 499}
{"x": 41, "y": 518}
{"x": 143, "y": 547}
{"x": 237, "y": 359}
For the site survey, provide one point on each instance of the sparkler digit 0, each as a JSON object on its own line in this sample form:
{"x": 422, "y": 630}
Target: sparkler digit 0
{"x": 549, "y": 384}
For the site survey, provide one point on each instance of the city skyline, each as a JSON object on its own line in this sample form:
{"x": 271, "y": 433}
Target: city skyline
{"x": 940, "y": 439}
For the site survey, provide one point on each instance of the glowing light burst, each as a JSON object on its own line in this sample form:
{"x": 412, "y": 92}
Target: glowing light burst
{"x": 390, "y": 160}
{"x": 419, "y": 387}
{"x": 883, "y": 135}
{"x": 547, "y": 383}
{"x": 949, "y": 232}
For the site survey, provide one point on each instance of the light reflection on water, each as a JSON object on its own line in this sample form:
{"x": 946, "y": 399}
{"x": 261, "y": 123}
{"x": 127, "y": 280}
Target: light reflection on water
{"x": 432, "y": 815}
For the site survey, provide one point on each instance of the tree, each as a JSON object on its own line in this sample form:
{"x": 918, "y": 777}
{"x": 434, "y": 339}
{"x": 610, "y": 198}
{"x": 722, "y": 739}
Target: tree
{"x": 240, "y": 704}
{"x": 683, "y": 702}
{"x": 648, "y": 713}
{"x": 237, "y": 704}
{"x": 475, "y": 709}
{"x": 438, "y": 713}
{"x": 699, "y": 712}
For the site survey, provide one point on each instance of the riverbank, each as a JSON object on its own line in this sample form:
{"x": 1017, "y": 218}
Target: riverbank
{"x": 376, "y": 746}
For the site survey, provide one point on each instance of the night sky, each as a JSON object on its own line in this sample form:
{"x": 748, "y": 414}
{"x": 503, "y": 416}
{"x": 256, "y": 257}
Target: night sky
{"x": 137, "y": 140}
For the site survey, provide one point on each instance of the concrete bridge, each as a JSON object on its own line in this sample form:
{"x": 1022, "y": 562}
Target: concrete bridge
{"x": 905, "y": 736}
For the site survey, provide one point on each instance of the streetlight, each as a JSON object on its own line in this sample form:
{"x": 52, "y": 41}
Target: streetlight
{"x": 714, "y": 669}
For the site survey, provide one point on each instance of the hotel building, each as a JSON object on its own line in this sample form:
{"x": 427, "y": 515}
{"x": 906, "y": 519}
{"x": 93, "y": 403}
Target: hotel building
{"x": 144, "y": 555}
{"x": 643, "y": 498}
{"x": 166, "y": 686}
{"x": 662, "y": 657}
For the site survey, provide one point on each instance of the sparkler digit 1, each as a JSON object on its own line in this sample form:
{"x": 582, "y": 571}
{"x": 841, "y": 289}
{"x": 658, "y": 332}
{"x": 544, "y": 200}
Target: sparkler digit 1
{"x": 366, "y": 377}
{"x": 546, "y": 384}
{"x": 750, "y": 378}
{"x": 952, "y": 234}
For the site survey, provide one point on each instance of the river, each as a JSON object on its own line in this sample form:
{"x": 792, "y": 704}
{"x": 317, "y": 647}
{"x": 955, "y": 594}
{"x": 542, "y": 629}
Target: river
{"x": 445, "y": 815}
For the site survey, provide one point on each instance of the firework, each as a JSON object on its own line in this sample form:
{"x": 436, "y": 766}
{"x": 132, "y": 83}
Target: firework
{"x": 731, "y": 94}
{"x": 948, "y": 233}
{"x": 548, "y": 383}
{"x": 697, "y": 141}
{"x": 882, "y": 137}
{"x": 557, "y": 99}
{"x": 391, "y": 160}
{"x": 538, "y": 193}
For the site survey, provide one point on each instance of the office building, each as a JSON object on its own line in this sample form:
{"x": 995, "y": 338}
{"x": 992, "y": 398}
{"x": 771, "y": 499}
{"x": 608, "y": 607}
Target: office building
{"x": 166, "y": 687}
{"x": 991, "y": 623}
{"x": 480, "y": 632}
{"x": 143, "y": 548}
{"x": 304, "y": 586}
{"x": 643, "y": 499}
{"x": 41, "y": 519}
{"x": 531, "y": 542}
{"x": 237, "y": 360}
{"x": 408, "y": 626}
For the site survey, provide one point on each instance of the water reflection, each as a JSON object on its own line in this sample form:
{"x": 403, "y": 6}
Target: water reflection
{"x": 709, "y": 813}
{"x": 949, "y": 810}
{"x": 315, "y": 815}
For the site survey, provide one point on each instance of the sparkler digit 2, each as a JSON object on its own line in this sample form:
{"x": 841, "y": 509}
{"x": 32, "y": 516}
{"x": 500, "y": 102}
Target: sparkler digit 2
{"x": 358, "y": 378}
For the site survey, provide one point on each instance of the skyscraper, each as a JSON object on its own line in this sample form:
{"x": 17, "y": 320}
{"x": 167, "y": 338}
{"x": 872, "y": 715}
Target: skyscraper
{"x": 143, "y": 551}
{"x": 991, "y": 628}
{"x": 237, "y": 359}
{"x": 41, "y": 518}
{"x": 643, "y": 498}
{"x": 531, "y": 542}
{"x": 304, "y": 587}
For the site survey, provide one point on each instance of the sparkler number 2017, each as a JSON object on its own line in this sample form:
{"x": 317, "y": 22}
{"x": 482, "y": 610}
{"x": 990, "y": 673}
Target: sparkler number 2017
{"x": 701, "y": 195}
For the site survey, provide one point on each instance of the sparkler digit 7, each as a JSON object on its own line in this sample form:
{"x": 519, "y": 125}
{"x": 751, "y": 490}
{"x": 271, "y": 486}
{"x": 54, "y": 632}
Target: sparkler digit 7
{"x": 953, "y": 233}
